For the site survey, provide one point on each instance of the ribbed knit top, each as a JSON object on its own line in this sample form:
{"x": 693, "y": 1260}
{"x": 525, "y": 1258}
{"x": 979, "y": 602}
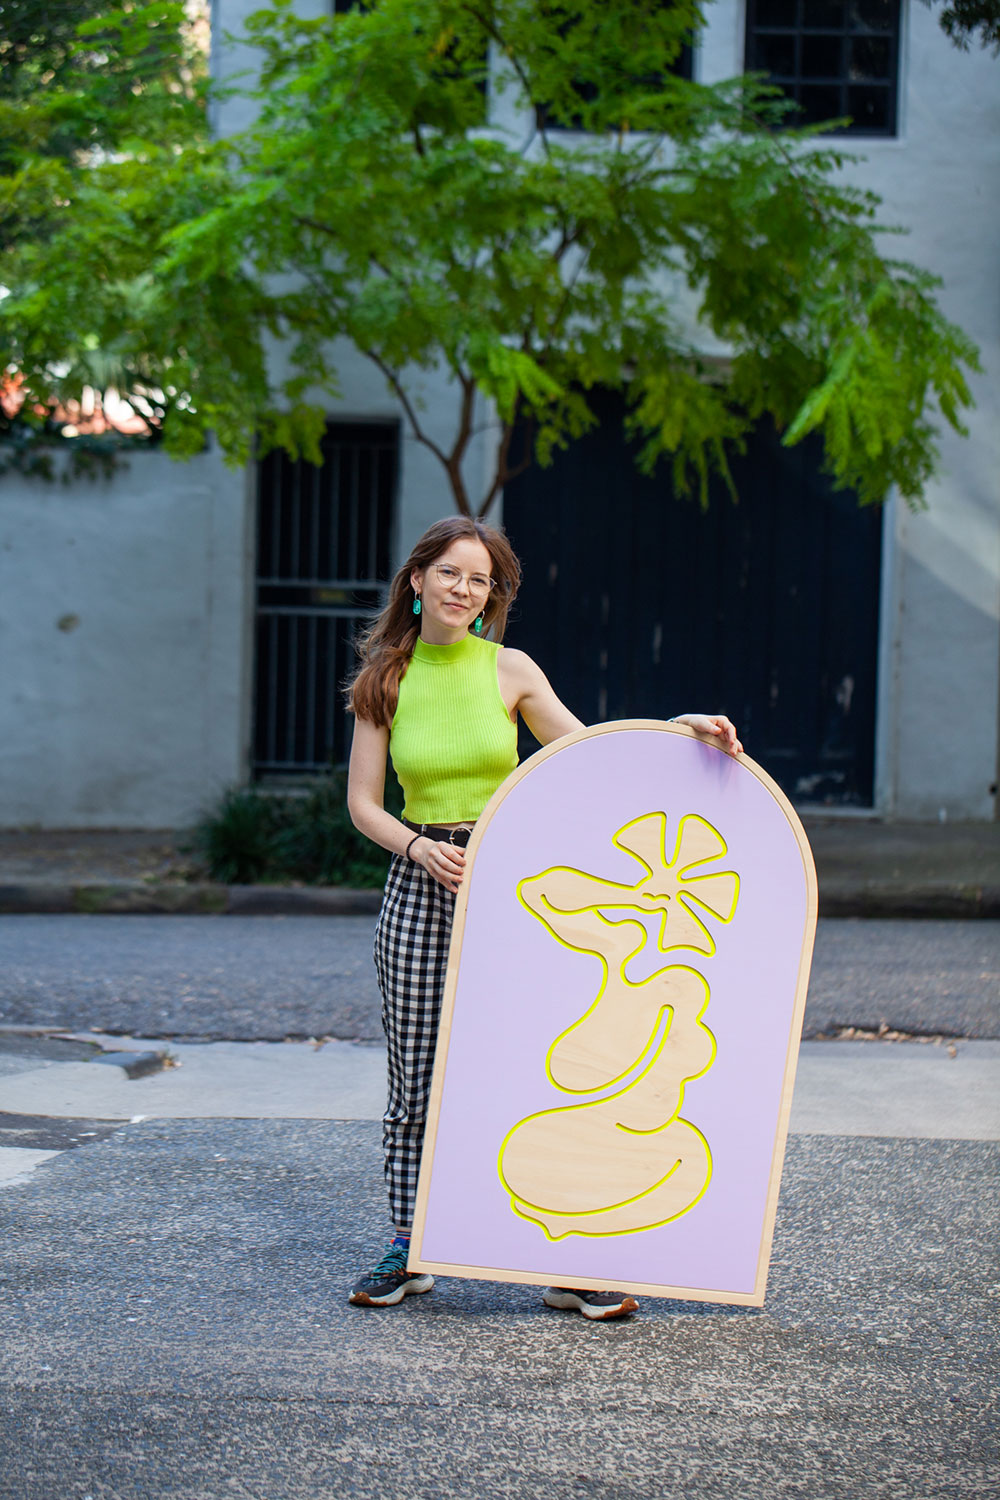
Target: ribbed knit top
{"x": 452, "y": 741}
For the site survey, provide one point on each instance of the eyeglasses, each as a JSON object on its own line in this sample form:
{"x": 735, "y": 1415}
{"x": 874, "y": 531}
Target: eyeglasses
{"x": 448, "y": 577}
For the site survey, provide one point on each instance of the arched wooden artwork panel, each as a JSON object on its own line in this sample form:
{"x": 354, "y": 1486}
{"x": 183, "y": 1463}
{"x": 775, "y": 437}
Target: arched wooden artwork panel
{"x": 624, "y": 999}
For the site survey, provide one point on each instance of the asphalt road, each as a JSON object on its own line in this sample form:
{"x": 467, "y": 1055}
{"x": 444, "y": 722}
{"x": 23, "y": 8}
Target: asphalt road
{"x": 176, "y": 1328}
{"x": 172, "y": 1291}
{"x": 267, "y": 978}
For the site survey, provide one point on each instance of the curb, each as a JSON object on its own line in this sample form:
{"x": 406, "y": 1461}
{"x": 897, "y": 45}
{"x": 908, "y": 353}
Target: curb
{"x": 143, "y": 898}
{"x": 941, "y": 901}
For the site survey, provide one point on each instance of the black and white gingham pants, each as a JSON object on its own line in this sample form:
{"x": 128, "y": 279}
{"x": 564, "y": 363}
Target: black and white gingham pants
{"x": 411, "y": 957}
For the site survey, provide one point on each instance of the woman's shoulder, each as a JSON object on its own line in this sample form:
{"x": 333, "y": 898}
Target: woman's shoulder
{"x": 517, "y": 665}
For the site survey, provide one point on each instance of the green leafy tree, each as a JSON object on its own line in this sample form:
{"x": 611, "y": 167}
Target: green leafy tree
{"x": 406, "y": 187}
{"x": 94, "y": 98}
{"x": 968, "y": 21}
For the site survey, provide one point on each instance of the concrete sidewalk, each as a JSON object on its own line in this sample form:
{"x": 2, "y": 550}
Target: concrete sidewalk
{"x": 907, "y": 1090}
{"x": 866, "y": 868}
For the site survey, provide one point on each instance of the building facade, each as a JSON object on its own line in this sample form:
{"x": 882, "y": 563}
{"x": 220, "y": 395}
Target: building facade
{"x": 181, "y": 628}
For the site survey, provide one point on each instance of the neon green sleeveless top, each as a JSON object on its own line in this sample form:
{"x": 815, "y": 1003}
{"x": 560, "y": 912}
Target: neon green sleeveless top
{"x": 451, "y": 740}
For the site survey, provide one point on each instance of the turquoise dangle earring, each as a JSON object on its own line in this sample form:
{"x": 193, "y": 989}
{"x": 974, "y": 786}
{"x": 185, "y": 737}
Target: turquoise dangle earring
{"x": 478, "y": 627}
{"x": 416, "y": 604}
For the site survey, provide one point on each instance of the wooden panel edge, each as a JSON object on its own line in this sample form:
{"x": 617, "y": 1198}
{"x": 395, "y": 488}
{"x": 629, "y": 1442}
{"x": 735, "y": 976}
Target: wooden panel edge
{"x": 794, "y": 1031}
{"x": 541, "y": 1279}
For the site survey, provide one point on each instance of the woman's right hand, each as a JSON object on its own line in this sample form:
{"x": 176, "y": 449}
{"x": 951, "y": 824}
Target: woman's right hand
{"x": 445, "y": 862}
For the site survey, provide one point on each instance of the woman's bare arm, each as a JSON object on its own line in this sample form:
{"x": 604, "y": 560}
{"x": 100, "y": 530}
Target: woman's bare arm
{"x": 366, "y": 805}
{"x": 526, "y": 690}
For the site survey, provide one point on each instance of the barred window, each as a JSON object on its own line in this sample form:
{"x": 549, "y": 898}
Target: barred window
{"x": 835, "y": 58}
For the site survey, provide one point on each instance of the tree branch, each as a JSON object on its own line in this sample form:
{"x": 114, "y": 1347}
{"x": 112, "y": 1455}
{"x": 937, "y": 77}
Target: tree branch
{"x": 407, "y": 405}
{"x": 564, "y": 300}
{"x": 453, "y": 462}
{"x": 504, "y": 473}
{"x": 492, "y": 30}
{"x": 317, "y": 224}
{"x": 465, "y": 422}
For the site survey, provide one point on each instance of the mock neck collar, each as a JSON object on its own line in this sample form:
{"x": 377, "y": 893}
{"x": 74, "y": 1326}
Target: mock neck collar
{"x": 440, "y": 655}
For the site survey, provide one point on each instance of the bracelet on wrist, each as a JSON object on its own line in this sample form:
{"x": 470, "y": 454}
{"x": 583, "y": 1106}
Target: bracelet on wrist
{"x": 410, "y": 845}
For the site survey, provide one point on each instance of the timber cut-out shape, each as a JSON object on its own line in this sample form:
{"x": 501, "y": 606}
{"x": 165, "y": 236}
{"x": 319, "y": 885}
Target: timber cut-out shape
{"x": 620, "y": 1021}
{"x": 667, "y": 888}
{"x": 625, "y": 1163}
{"x": 604, "y": 1043}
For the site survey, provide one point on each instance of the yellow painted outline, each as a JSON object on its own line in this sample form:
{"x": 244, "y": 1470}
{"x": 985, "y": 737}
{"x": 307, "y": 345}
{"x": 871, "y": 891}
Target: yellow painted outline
{"x": 630, "y": 1130}
{"x": 605, "y": 1234}
{"x": 636, "y": 984}
{"x": 558, "y": 1109}
{"x": 631, "y": 897}
{"x": 636, "y": 903}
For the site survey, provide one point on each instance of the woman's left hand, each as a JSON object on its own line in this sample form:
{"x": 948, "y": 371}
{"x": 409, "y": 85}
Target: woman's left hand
{"x": 716, "y": 724}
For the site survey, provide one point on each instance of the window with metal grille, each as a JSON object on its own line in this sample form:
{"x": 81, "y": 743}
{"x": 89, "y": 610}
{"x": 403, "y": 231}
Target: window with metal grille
{"x": 323, "y": 555}
{"x": 835, "y": 58}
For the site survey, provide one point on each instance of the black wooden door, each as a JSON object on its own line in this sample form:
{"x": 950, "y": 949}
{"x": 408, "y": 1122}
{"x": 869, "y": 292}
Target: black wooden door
{"x": 639, "y": 604}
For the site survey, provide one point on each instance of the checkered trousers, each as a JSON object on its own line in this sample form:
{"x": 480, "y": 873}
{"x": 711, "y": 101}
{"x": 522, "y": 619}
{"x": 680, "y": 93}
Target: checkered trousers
{"x": 411, "y": 957}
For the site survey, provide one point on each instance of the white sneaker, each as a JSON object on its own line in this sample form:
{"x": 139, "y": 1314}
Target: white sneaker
{"x": 599, "y": 1305}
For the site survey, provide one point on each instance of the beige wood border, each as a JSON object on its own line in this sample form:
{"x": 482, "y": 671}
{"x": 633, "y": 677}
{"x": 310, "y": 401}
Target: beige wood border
{"x": 498, "y": 1273}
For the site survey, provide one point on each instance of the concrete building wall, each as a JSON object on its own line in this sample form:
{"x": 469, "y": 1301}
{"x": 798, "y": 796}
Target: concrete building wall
{"x": 125, "y": 607}
{"x": 941, "y": 678}
{"x": 939, "y": 665}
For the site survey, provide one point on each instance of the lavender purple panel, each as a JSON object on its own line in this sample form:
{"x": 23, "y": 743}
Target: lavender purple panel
{"x": 518, "y": 989}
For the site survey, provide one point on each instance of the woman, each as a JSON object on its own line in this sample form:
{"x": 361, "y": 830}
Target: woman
{"x": 437, "y": 691}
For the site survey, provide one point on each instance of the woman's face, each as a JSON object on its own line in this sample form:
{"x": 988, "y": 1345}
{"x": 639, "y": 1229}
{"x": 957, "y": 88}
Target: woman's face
{"x": 449, "y": 606}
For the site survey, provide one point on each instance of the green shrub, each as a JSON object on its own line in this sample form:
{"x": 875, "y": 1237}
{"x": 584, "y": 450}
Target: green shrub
{"x": 236, "y": 840}
{"x": 255, "y": 837}
{"x": 317, "y": 842}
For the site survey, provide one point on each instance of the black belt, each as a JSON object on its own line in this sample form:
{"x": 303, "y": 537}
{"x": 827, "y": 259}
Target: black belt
{"x": 457, "y": 836}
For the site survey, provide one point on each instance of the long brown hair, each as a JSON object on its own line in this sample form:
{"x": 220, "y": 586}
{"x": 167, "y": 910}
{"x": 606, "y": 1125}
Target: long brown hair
{"x": 386, "y": 646}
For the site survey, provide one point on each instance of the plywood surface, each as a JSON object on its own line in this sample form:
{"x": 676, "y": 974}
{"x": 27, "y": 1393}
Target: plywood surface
{"x": 625, "y": 993}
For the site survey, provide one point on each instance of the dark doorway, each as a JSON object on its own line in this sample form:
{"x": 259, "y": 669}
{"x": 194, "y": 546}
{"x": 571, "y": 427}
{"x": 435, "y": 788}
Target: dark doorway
{"x": 639, "y": 604}
{"x": 323, "y": 555}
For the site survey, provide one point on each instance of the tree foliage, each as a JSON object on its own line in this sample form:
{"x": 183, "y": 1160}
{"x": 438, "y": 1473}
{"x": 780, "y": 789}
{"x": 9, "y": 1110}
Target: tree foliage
{"x": 405, "y": 187}
{"x": 97, "y": 102}
{"x": 968, "y": 21}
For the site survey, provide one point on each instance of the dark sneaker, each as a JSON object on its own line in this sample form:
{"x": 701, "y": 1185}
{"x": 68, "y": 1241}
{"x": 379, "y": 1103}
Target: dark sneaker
{"x": 389, "y": 1282}
{"x": 592, "y": 1304}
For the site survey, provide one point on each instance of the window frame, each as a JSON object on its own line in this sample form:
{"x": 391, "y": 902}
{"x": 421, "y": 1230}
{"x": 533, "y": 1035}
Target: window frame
{"x": 793, "y": 82}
